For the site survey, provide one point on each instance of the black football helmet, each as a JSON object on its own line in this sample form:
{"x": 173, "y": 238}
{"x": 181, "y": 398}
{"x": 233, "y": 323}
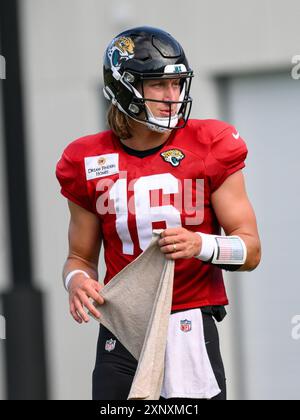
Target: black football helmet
{"x": 141, "y": 54}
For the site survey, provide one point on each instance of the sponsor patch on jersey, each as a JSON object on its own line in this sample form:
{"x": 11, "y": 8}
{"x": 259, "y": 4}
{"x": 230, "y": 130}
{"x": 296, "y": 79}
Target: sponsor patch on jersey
{"x": 100, "y": 166}
{"x": 186, "y": 325}
{"x": 173, "y": 156}
{"x": 110, "y": 345}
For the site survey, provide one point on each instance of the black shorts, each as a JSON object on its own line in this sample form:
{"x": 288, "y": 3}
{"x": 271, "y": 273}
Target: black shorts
{"x": 114, "y": 370}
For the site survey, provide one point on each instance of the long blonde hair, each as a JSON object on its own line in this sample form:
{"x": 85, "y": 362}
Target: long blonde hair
{"x": 119, "y": 122}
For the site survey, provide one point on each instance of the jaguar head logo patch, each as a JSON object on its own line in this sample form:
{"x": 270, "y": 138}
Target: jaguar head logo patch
{"x": 173, "y": 156}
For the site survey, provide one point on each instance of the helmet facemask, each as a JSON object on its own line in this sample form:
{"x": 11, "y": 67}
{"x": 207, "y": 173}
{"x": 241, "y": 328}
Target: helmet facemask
{"x": 139, "y": 108}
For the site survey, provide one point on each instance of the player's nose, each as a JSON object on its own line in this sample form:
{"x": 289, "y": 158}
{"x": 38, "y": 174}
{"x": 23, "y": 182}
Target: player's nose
{"x": 170, "y": 91}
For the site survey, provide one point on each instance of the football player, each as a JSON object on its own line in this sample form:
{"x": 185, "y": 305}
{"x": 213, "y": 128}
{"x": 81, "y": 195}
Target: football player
{"x": 157, "y": 169}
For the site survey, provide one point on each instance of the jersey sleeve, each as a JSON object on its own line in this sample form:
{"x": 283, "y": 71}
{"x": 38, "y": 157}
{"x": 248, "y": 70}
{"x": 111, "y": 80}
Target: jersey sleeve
{"x": 227, "y": 155}
{"x": 71, "y": 177}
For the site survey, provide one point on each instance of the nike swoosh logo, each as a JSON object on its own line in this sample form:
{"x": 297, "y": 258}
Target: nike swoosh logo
{"x": 236, "y": 136}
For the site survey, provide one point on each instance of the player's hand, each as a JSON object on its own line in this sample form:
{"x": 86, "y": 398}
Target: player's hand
{"x": 178, "y": 243}
{"x": 81, "y": 290}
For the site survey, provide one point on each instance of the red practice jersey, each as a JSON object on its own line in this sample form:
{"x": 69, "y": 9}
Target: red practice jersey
{"x": 170, "y": 188}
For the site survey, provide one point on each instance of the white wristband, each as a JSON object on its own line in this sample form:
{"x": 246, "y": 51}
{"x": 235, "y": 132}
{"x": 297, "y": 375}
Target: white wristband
{"x": 208, "y": 246}
{"x": 71, "y": 274}
{"x": 222, "y": 250}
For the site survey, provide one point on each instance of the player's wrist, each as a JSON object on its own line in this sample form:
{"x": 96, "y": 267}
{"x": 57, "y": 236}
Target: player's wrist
{"x": 198, "y": 244}
{"x": 207, "y": 248}
{"x": 71, "y": 275}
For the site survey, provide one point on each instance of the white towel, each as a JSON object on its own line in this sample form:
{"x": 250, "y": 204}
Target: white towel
{"x": 188, "y": 372}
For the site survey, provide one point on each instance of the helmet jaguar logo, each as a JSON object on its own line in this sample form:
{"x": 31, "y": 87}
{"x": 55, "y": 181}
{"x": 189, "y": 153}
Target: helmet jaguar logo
{"x": 174, "y": 157}
{"x": 122, "y": 50}
{"x": 125, "y": 45}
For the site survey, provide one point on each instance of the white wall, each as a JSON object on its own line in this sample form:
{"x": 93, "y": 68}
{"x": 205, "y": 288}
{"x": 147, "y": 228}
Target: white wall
{"x": 267, "y": 109}
{"x": 63, "y": 44}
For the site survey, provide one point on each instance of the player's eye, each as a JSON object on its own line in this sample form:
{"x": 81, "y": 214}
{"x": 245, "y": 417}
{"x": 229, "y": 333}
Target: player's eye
{"x": 156, "y": 84}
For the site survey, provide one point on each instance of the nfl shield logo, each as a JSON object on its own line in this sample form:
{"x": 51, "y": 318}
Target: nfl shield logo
{"x": 110, "y": 345}
{"x": 185, "y": 325}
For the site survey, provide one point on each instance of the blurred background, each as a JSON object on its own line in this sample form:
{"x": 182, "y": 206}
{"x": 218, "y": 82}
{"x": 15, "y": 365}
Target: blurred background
{"x": 244, "y": 55}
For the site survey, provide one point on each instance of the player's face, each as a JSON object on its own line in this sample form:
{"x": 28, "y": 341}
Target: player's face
{"x": 162, "y": 90}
